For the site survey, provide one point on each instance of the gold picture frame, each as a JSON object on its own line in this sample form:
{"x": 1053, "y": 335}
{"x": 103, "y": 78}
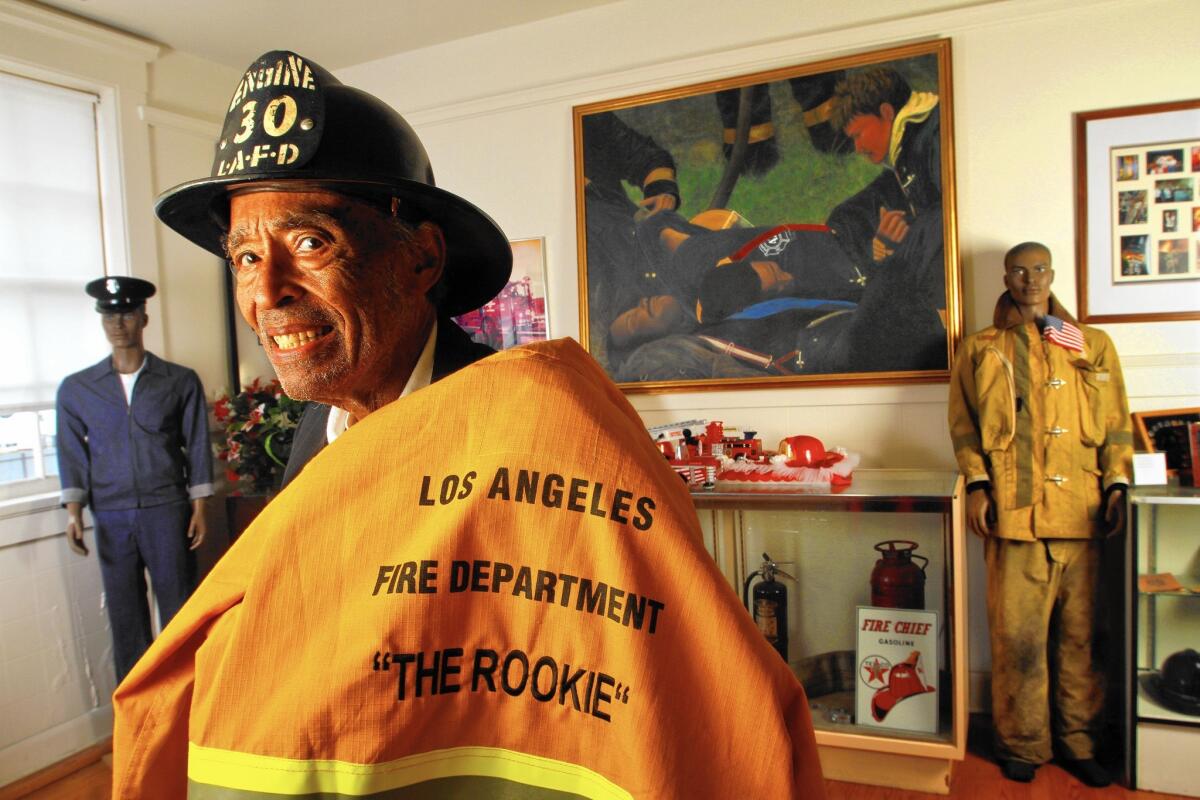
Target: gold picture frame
{"x": 729, "y": 235}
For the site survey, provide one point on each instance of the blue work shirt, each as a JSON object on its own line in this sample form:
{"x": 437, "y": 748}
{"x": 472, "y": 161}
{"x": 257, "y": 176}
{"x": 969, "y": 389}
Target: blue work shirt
{"x": 115, "y": 454}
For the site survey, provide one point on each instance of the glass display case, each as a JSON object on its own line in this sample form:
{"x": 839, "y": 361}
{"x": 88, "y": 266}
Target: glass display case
{"x": 1163, "y": 624}
{"x": 826, "y": 538}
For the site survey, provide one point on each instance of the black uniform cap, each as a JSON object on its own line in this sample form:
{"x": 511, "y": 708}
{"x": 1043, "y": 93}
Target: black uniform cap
{"x": 119, "y": 293}
{"x": 289, "y": 120}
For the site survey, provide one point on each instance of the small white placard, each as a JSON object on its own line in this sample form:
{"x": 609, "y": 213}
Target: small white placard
{"x": 1150, "y": 469}
{"x": 897, "y": 669}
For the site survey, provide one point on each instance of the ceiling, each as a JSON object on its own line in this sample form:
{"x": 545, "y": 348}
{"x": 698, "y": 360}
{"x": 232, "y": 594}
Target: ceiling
{"x": 335, "y": 34}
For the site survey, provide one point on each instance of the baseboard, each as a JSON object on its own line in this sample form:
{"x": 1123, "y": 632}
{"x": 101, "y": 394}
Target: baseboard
{"x": 24, "y": 760}
{"x": 56, "y": 772}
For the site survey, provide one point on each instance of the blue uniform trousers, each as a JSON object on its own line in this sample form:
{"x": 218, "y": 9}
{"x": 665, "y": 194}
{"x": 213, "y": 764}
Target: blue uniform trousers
{"x": 130, "y": 542}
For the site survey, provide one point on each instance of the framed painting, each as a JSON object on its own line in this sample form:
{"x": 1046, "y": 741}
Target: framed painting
{"x": 517, "y": 315}
{"x": 789, "y": 227}
{"x": 1137, "y": 212}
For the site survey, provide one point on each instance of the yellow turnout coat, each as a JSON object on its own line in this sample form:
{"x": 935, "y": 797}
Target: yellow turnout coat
{"x": 1047, "y": 426}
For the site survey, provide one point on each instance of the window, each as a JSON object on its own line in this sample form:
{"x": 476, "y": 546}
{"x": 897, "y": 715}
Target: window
{"x": 51, "y": 226}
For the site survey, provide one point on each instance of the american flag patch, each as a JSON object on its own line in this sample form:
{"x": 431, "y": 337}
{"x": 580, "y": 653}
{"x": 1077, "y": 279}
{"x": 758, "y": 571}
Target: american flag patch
{"x": 1062, "y": 333}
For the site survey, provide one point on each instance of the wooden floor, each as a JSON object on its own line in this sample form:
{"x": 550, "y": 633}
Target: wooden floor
{"x": 93, "y": 782}
{"x": 977, "y": 777}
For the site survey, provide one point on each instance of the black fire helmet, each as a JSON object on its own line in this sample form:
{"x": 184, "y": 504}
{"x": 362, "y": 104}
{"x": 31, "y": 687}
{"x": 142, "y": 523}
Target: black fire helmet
{"x": 289, "y": 121}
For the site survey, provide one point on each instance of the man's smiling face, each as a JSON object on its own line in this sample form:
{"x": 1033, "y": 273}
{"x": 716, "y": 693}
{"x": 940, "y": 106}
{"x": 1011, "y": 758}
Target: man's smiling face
{"x": 336, "y": 293}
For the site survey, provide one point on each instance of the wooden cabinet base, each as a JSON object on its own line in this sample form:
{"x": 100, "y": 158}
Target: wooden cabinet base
{"x": 886, "y": 769}
{"x": 1163, "y": 755}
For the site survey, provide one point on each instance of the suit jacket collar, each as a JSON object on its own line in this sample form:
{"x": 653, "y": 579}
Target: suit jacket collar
{"x": 452, "y": 350}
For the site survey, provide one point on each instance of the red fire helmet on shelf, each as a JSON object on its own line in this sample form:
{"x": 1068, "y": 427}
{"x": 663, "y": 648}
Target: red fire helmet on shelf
{"x": 807, "y": 451}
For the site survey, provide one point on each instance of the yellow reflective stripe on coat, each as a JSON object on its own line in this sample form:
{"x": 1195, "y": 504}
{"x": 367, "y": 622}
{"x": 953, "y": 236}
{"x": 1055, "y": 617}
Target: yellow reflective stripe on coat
{"x": 233, "y": 775}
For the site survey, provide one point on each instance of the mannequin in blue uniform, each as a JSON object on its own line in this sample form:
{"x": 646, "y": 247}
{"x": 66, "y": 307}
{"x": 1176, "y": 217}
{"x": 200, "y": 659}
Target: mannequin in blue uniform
{"x": 133, "y": 444}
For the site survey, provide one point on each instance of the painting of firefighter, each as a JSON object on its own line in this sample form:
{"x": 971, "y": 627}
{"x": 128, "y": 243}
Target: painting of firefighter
{"x": 792, "y": 226}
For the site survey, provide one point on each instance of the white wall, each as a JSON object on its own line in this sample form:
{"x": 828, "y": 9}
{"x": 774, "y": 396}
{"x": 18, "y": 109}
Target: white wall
{"x": 183, "y": 117}
{"x": 56, "y": 673}
{"x": 187, "y": 99}
{"x": 495, "y": 114}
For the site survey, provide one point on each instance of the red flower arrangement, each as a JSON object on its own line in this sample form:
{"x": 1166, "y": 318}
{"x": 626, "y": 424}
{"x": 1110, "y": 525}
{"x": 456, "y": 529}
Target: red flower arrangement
{"x": 259, "y": 422}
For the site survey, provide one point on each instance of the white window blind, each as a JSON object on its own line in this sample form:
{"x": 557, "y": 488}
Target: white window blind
{"x": 50, "y": 226}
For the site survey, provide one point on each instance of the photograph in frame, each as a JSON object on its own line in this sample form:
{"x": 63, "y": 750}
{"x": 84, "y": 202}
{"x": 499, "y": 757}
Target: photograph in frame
{"x": 517, "y": 315}
{"x": 1137, "y": 218}
{"x": 1150, "y": 206}
{"x": 788, "y": 227}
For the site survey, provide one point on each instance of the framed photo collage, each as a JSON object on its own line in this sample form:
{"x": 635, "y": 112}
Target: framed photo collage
{"x": 1156, "y": 216}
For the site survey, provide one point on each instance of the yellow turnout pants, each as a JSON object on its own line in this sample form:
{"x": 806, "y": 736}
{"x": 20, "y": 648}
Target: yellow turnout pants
{"x": 1041, "y": 599}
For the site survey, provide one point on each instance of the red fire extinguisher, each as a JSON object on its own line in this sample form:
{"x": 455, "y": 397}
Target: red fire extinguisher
{"x": 770, "y": 604}
{"x": 896, "y": 582}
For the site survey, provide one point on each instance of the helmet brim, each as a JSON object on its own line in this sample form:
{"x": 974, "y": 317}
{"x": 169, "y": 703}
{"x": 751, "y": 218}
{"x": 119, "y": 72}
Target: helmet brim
{"x": 478, "y": 256}
{"x": 1163, "y": 695}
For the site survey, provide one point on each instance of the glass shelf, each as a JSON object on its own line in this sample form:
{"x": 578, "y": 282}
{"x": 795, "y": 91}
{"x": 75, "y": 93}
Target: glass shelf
{"x": 870, "y": 490}
{"x": 825, "y": 537}
{"x": 844, "y": 701}
{"x": 1165, "y": 495}
{"x": 1150, "y": 709}
{"x": 1187, "y": 580}
{"x": 1163, "y": 538}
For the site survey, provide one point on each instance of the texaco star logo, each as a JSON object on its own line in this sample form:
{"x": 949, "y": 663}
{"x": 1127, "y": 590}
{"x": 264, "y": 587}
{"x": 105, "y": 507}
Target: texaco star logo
{"x": 874, "y": 671}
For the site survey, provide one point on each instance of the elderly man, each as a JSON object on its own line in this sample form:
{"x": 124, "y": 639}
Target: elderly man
{"x": 490, "y": 584}
{"x": 1041, "y": 430}
{"x": 133, "y": 444}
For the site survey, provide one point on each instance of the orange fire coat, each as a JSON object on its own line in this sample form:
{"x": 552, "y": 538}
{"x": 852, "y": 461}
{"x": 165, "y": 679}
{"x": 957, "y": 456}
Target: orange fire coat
{"x": 495, "y": 584}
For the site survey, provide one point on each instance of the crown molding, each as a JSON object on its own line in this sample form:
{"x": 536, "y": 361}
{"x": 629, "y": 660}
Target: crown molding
{"x": 766, "y": 54}
{"x": 72, "y": 29}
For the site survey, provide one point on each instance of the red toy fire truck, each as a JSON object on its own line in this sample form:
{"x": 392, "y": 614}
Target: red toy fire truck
{"x": 697, "y": 458}
{"x": 714, "y": 458}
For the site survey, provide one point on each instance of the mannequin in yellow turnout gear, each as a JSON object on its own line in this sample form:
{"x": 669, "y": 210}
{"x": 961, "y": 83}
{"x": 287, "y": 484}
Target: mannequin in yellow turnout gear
{"x": 1041, "y": 430}
{"x": 483, "y": 579}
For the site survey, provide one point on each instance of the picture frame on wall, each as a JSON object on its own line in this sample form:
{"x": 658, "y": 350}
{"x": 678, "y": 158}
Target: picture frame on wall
{"x": 1138, "y": 212}
{"x": 789, "y": 227}
{"x": 1169, "y": 431}
{"x": 517, "y": 314}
